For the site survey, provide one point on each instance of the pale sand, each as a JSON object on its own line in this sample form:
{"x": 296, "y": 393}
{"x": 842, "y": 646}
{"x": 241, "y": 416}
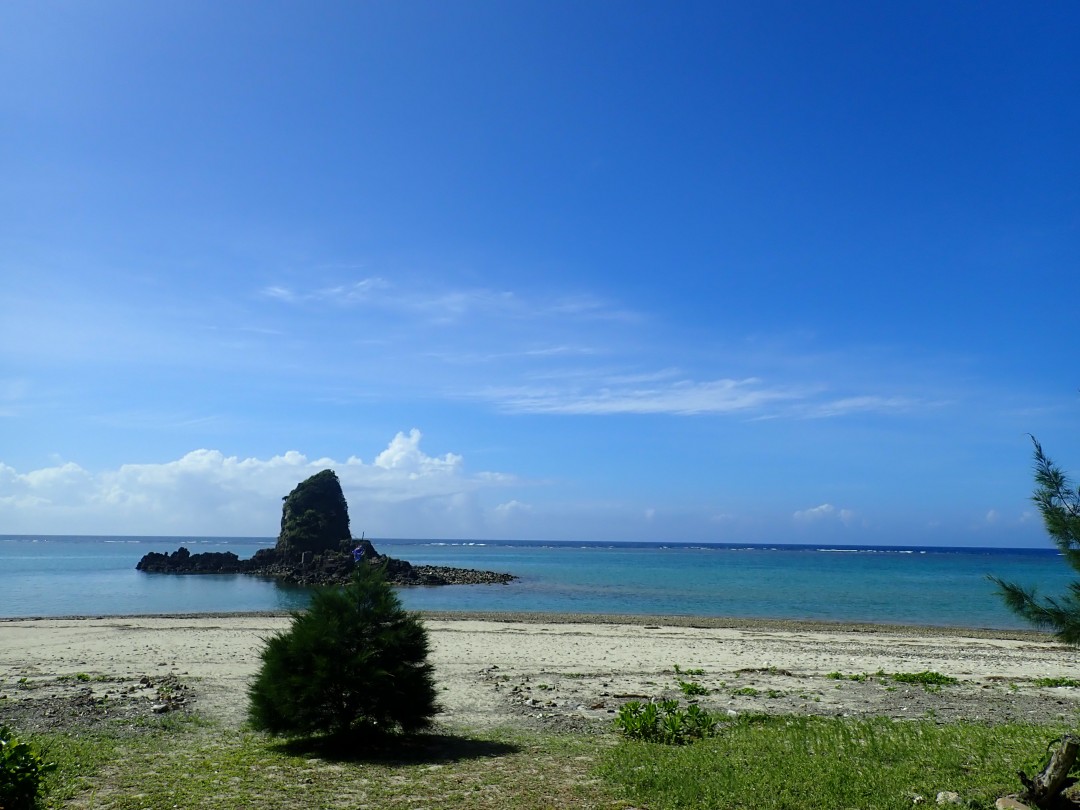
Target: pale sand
{"x": 573, "y": 672}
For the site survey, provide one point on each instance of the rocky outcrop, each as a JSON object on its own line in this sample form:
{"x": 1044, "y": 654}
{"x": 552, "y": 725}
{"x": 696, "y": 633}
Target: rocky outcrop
{"x": 328, "y": 568}
{"x": 314, "y": 517}
{"x": 314, "y": 548}
{"x": 444, "y": 575}
{"x": 183, "y": 561}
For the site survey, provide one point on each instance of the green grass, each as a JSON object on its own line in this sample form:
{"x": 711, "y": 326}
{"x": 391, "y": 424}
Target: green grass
{"x": 1056, "y": 682}
{"x": 78, "y": 757}
{"x": 766, "y": 763}
{"x": 197, "y": 764}
{"x": 791, "y": 763}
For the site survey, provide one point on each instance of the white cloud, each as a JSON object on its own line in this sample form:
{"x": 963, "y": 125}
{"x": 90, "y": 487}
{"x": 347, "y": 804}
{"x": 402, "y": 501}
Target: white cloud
{"x": 683, "y": 397}
{"x": 403, "y": 493}
{"x": 450, "y": 305}
{"x": 859, "y": 404}
{"x": 511, "y": 508}
{"x": 404, "y": 454}
{"x": 353, "y": 293}
{"x": 825, "y": 511}
{"x": 280, "y": 294}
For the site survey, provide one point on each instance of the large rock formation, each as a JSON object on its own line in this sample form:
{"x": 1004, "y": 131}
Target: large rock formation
{"x": 314, "y": 518}
{"x": 315, "y": 547}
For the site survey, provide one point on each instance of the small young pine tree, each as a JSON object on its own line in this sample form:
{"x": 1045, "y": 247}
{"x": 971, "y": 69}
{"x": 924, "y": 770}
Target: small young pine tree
{"x": 1059, "y": 504}
{"x": 355, "y": 662}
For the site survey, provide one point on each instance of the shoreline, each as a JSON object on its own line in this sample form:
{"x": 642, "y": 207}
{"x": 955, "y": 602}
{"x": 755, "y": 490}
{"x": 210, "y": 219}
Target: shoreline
{"x": 670, "y": 620}
{"x": 566, "y": 672}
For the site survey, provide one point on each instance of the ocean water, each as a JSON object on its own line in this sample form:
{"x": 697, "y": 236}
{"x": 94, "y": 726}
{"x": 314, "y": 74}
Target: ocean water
{"x": 61, "y": 576}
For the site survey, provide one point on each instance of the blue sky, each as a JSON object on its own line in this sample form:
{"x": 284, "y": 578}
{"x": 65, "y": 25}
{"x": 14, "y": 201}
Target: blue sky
{"x": 730, "y": 272}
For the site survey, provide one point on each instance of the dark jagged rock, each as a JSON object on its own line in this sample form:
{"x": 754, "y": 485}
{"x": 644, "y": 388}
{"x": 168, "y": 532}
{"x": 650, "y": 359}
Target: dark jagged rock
{"x": 183, "y": 561}
{"x": 328, "y": 568}
{"x": 315, "y": 517}
{"x": 315, "y": 548}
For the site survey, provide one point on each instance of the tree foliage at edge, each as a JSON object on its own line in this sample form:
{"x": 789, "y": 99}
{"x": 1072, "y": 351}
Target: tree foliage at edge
{"x": 1059, "y": 505}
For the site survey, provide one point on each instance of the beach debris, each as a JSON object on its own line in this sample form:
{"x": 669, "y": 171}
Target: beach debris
{"x": 1044, "y": 790}
{"x": 1010, "y": 803}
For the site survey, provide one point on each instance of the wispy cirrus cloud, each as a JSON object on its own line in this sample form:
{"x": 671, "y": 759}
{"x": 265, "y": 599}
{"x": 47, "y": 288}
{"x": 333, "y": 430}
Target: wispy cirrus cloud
{"x": 681, "y": 397}
{"x": 844, "y": 406}
{"x": 522, "y": 354}
{"x": 364, "y": 290}
{"x": 670, "y": 391}
{"x": 597, "y": 366}
{"x": 448, "y": 304}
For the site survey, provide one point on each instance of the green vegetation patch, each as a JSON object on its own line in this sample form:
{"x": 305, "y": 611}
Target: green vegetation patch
{"x": 691, "y": 688}
{"x": 1056, "y": 682}
{"x": 664, "y": 722}
{"x": 859, "y": 677}
{"x": 785, "y": 763}
{"x": 22, "y": 771}
{"x": 927, "y": 678}
{"x": 930, "y": 680}
{"x": 696, "y": 671}
{"x": 745, "y": 691}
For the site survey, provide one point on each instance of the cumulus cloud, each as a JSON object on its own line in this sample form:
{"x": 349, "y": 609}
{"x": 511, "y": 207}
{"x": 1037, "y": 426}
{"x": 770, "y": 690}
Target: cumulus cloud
{"x": 404, "y": 454}
{"x": 825, "y": 511}
{"x": 403, "y": 492}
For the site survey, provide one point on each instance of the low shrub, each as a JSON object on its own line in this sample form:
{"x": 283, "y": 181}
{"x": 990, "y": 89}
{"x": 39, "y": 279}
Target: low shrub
{"x": 354, "y": 664}
{"x": 664, "y": 722}
{"x": 21, "y": 771}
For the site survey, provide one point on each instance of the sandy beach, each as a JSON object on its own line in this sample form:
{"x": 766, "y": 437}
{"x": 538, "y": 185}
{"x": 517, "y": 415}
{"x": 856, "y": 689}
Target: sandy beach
{"x": 558, "y": 673}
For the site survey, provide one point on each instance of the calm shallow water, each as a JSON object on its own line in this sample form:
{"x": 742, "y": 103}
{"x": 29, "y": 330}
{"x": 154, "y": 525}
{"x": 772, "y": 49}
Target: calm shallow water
{"x": 56, "y": 576}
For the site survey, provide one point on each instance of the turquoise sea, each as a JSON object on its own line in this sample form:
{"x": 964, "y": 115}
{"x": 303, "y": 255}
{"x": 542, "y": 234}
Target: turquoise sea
{"x": 62, "y": 576}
